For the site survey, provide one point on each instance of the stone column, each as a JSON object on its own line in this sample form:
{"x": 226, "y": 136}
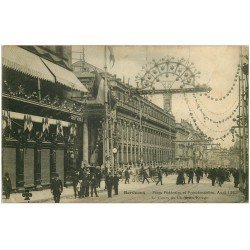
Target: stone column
{"x": 86, "y": 141}
{"x": 20, "y": 169}
{"x": 131, "y": 142}
{"x": 127, "y": 141}
{"x": 37, "y": 167}
{"x": 122, "y": 144}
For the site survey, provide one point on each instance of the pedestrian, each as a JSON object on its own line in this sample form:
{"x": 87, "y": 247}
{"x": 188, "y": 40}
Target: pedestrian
{"x": 221, "y": 175}
{"x": 159, "y": 175}
{"x": 93, "y": 185}
{"x": 7, "y": 187}
{"x": 109, "y": 184}
{"x": 127, "y": 176}
{"x": 98, "y": 177}
{"x": 84, "y": 184}
{"x": 212, "y": 175}
{"x": 144, "y": 175}
{"x": 75, "y": 180}
{"x": 105, "y": 173}
{"x": 198, "y": 174}
{"x": 116, "y": 183}
{"x": 180, "y": 177}
{"x": 56, "y": 188}
{"x": 236, "y": 176}
{"x": 191, "y": 176}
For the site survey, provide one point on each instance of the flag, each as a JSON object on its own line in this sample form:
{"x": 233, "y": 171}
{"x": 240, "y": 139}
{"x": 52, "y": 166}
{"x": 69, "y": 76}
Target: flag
{"x": 8, "y": 120}
{"x": 29, "y": 123}
{"x": 111, "y": 55}
{"x": 5, "y": 120}
{"x": 25, "y": 123}
{"x": 45, "y": 122}
{"x": 59, "y": 129}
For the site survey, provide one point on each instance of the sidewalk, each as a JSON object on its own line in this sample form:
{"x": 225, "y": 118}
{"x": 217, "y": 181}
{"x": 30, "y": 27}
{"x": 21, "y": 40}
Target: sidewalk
{"x": 68, "y": 192}
{"x": 38, "y": 196}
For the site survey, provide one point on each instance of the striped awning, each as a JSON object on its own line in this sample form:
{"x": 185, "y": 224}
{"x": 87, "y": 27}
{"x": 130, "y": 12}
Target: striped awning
{"x": 26, "y": 62}
{"x": 65, "y": 76}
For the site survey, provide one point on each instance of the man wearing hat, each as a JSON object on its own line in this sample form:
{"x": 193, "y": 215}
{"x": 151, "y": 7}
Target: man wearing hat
{"x": 116, "y": 183}
{"x": 56, "y": 188}
{"x": 109, "y": 184}
{"x": 7, "y": 187}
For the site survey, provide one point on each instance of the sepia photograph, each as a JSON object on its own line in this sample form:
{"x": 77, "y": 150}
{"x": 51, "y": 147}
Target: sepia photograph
{"x": 124, "y": 124}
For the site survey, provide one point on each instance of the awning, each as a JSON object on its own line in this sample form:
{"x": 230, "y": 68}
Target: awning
{"x": 65, "y": 76}
{"x": 26, "y": 62}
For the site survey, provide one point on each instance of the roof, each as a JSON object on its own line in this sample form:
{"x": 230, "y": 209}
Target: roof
{"x": 65, "y": 76}
{"x": 31, "y": 64}
{"x": 84, "y": 74}
{"x": 26, "y": 62}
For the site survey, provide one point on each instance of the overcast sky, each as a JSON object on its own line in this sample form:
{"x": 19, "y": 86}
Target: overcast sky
{"x": 217, "y": 64}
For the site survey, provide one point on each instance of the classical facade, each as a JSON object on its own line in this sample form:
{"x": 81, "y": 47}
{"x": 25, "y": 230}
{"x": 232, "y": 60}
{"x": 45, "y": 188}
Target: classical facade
{"x": 131, "y": 130}
{"x": 144, "y": 132}
{"x": 190, "y": 146}
{"x": 44, "y": 128}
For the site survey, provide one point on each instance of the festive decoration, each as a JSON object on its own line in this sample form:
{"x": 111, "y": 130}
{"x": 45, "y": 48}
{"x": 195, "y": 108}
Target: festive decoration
{"x": 46, "y": 124}
{"x": 200, "y": 103}
{"x": 28, "y": 124}
{"x": 229, "y": 91}
{"x": 191, "y": 112}
{"x": 211, "y": 120}
{"x": 59, "y": 128}
{"x": 6, "y": 120}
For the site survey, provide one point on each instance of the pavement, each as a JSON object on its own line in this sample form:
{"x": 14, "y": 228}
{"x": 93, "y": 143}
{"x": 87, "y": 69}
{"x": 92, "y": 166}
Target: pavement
{"x": 136, "y": 192}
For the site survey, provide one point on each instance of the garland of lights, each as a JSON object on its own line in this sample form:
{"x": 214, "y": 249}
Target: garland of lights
{"x": 202, "y": 104}
{"x": 211, "y": 120}
{"x": 228, "y": 93}
{"x": 198, "y": 128}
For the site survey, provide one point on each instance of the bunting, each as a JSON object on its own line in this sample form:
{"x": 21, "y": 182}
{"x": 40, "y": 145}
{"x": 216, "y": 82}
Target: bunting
{"x": 59, "y": 129}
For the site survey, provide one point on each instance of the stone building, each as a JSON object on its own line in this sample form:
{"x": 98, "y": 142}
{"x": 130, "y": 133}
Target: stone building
{"x": 43, "y": 126}
{"x": 139, "y": 130}
{"x": 190, "y": 146}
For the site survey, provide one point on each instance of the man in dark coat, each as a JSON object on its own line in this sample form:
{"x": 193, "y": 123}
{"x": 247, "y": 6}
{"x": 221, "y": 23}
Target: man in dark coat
{"x": 85, "y": 184}
{"x": 7, "y": 187}
{"x": 127, "y": 176}
{"x": 221, "y": 175}
{"x": 56, "y": 188}
{"x": 236, "y": 176}
{"x": 144, "y": 175}
{"x": 159, "y": 175}
{"x": 180, "y": 178}
{"x": 191, "y": 176}
{"x": 212, "y": 175}
{"x": 109, "y": 184}
{"x": 75, "y": 180}
{"x": 198, "y": 174}
{"x": 116, "y": 183}
{"x": 98, "y": 177}
{"x": 93, "y": 184}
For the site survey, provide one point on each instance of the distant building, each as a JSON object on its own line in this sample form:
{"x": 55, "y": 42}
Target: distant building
{"x": 189, "y": 146}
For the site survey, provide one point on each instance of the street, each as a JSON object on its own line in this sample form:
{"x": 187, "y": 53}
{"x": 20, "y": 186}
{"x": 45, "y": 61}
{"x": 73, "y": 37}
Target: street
{"x": 136, "y": 192}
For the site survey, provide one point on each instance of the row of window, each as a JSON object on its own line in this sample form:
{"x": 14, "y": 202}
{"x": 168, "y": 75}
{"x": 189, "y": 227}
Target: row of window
{"x": 146, "y": 109}
{"x": 128, "y": 133}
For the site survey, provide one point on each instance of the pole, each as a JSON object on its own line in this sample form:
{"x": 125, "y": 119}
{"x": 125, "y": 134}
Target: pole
{"x": 106, "y": 150}
{"x": 39, "y": 89}
{"x": 112, "y": 145}
{"x": 243, "y": 93}
{"x": 140, "y": 134}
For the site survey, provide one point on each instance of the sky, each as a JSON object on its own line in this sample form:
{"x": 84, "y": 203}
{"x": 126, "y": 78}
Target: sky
{"x": 218, "y": 67}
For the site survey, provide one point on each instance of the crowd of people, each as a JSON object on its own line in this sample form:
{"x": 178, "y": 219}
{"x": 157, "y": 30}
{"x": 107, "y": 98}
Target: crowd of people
{"x": 86, "y": 180}
{"x": 217, "y": 175}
